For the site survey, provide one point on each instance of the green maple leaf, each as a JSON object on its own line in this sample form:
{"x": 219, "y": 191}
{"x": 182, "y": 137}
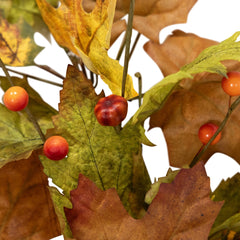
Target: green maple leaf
{"x": 109, "y": 158}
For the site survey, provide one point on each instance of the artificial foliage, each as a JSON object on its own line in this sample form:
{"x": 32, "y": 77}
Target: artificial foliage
{"x": 106, "y": 188}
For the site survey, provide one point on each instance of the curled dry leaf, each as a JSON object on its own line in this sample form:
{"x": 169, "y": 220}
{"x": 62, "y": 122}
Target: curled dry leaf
{"x": 26, "y": 209}
{"x": 181, "y": 210}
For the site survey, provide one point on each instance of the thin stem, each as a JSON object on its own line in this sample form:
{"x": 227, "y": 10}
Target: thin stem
{"x": 6, "y": 72}
{"x": 139, "y": 76}
{"x": 204, "y": 149}
{"x": 134, "y": 45}
{"x": 50, "y": 70}
{"x": 128, "y": 42}
{"x": 35, "y": 123}
{"x": 120, "y": 51}
{"x": 34, "y": 77}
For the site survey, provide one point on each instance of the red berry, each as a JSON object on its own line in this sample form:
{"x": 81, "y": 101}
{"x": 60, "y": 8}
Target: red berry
{"x": 206, "y": 132}
{"x": 16, "y": 98}
{"x": 111, "y": 110}
{"x": 55, "y": 148}
{"x": 231, "y": 85}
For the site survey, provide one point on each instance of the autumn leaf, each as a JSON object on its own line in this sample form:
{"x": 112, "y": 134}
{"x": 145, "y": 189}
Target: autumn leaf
{"x": 107, "y": 157}
{"x": 14, "y": 11}
{"x": 229, "y": 217}
{"x": 17, "y": 47}
{"x": 150, "y": 17}
{"x": 180, "y": 125}
{"x": 26, "y": 209}
{"x": 88, "y": 36}
{"x": 181, "y": 210}
{"x": 209, "y": 60}
{"x": 177, "y": 50}
{"x": 18, "y": 135}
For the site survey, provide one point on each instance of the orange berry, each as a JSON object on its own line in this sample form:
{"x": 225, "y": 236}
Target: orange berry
{"x": 231, "y": 85}
{"x": 206, "y": 132}
{"x": 16, "y": 98}
{"x": 56, "y": 148}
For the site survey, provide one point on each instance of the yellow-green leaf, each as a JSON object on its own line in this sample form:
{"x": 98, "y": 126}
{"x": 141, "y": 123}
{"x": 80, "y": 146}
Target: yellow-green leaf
{"x": 109, "y": 158}
{"x": 17, "y": 47}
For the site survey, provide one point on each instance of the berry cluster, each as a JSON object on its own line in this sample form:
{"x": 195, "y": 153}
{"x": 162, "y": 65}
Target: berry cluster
{"x": 16, "y": 99}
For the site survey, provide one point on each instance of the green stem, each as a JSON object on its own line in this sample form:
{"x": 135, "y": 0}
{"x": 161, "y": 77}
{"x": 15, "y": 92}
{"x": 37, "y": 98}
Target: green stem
{"x": 204, "y": 149}
{"x": 139, "y": 76}
{"x": 134, "y": 45}
{"x": 128, "y": 42}
{"x": 120, "y": 51}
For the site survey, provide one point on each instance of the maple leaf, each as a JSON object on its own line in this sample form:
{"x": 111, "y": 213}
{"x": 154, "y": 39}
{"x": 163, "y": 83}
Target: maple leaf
{"x": 26, "y": 209}
{"x": 151, "y": 16}
{"x": 229, "y": 217}
{"x": 178, "y": 49}
{"x": 88, "y": 36}
{"x": 180, "y": 125}
{"x": 181, "y": 210}
{"x": 14, "y": 10}
{"x": 209, "y": 60}
{"x": 17, "y": 47}
{"x": 18, "y": 135}
{"x": 108, "y": 158}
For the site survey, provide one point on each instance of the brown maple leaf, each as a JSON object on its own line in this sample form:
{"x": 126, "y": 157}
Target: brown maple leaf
{"x": 151, "y": 16}
{"x": 26, "y": 208}
{"x": 181, "y": 210}
{"x": 187, "y": 109}
{"x": 200, "y": 100}
{"x": 178, "y": 49}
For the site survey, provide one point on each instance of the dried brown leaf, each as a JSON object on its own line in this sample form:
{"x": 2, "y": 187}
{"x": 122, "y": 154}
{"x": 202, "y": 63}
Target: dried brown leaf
{"x": 26, "y": 209}
{"x": 181, "y": 210}
{"x": 190, "y": 107}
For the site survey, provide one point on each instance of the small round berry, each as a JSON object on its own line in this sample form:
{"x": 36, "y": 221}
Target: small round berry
{"x": 206, "y": 132}
{"x": 16, "y": 98}
{"x": 56, "y": 148}
{"x": 231, "y": 85}
{"x": 111, "y": 110}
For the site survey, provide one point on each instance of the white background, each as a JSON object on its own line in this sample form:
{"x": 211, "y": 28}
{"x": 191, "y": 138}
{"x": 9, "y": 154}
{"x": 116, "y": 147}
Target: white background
{"x": 213, "y": 19}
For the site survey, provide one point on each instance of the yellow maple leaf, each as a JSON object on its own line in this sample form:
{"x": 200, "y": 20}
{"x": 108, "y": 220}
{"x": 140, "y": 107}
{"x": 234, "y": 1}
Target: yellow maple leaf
{"x": 88, "y": 36}
{"x": 14, "y": 49}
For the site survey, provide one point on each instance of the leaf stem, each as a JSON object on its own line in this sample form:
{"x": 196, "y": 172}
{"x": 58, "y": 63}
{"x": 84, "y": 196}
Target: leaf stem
{"x": 139, "y": 76}
{"x": 120, "y": 51}
{"x": 128, "y": 42}
{"x": 50, "y": 70}
{"x": 204, "y": 149}
{"x": 33, "y": 77}
{"x": 6, "y": 72}
{"x": 134, "y": 45}
{"x": 31, "y": 117}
